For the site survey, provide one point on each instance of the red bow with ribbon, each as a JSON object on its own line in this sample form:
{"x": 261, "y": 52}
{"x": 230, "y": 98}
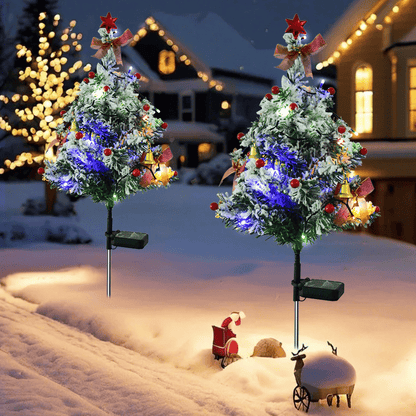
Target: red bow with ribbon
{"x": 59, "y": 141}
{"x": 116, "y": 44}
{"x": 166, "y": 154}
{"x": 234, "y": 168}
{"x": 305, "y": 52}
{"x": 362, "y": 191}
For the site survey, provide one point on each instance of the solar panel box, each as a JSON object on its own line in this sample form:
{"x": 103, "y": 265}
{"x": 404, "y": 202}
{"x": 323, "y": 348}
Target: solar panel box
{"x": 130, "y": 239}
{"x": 322, "y": 289}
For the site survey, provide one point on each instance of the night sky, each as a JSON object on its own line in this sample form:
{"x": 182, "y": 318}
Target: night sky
{"x": 262, "y": 22}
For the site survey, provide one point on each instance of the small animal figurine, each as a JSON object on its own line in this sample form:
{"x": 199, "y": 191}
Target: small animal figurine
{"x": 269, "y": 347}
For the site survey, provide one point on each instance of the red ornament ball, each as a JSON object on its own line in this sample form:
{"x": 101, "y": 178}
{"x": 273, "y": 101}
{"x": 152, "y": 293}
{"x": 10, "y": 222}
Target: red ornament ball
{"x": 106, "y": 88}
{"x": 135, "y": 173}
{"x": 164, "y": 126}
{"x": 175, "y": 173}
{"x": 214, "y": 206}
{"x": 240, "y": 136}
{"x": 294, "y": 183}
{"x": 363, "y": 151}
{"x": 79, "y": 135}
{"x": 293, "y": 106}
{"x": 275, "y": 89}
{"x": 62, "y": 113}
{"x": 91, "y": 74}
{"x": 107, "y": 152}
{"x": 86, "y": 80}
{"x": 329, "y": 208}
{"x": 259, "y": 163}
{"x": 137, "y": 75}
{"x": 269, "y": 96}
{"x": 377, "y": 209}
{"x": 342, "y": 129}
{"x": 41, "y": 171}
{"x": 146, "y": 107}
{"x": 331, "y": 90}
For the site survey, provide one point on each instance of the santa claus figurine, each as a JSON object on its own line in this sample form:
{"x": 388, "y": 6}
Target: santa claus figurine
{"x": 229, "y": 323}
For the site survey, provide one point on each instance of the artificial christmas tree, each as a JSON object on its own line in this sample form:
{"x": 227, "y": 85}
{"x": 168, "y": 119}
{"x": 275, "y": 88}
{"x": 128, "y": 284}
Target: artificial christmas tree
{"x": 296, "y": 183}
{"x": 106, "y": 141}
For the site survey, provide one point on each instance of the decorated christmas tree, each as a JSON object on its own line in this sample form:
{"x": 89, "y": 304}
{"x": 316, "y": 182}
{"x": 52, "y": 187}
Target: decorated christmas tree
{"x": 106, "y": 141}
{"x": 294, "y": 170}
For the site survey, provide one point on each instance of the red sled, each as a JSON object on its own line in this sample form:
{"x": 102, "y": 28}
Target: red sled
{"x": 221, "y": 346}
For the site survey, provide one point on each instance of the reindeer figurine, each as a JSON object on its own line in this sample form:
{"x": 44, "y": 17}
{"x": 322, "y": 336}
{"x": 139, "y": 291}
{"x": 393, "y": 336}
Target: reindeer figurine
{"x": 321, "y": 376}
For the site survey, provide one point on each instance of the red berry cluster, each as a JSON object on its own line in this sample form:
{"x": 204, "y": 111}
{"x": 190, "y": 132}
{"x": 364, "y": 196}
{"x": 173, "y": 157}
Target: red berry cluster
{"x": 294, "y": 183}
{"x": 329, "y": 208}
{"x": 259, "y": 163}
{"x": 146, "y": 107}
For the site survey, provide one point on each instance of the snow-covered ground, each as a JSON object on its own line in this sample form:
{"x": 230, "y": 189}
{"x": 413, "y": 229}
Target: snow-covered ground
{"x": 66, "y": 349}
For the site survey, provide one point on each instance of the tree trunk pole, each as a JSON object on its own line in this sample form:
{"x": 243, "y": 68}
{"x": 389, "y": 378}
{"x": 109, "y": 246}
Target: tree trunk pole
{"x": 296, "y": 298}
{"x": 50, "y": 198}
{"x": 108, "y": 245}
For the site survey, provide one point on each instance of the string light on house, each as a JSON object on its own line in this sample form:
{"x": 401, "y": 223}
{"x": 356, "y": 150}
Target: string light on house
{"x": 166, "y": 66}
{"x": 45, "y": 76}
{"x": 363, "y": 24}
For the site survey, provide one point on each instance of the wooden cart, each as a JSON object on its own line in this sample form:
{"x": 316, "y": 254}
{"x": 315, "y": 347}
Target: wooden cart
{"x": 322, "y": 376}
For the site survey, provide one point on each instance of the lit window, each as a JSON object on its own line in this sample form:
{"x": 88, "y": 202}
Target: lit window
{"x": 205, "y": 151}
{"x": 412, "y": 98}
{"x": 364, "y": 99}
{"x": 166, "y": 62}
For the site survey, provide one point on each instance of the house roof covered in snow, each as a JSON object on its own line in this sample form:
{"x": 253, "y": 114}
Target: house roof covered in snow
{"x": 359, "y": 15}
{"x": 212, "y": 43}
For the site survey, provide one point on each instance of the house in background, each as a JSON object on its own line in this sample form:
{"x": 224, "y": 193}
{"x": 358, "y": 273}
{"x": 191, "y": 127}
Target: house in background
{"x": 206, "y": 80}
{"x": 373, "y": 47}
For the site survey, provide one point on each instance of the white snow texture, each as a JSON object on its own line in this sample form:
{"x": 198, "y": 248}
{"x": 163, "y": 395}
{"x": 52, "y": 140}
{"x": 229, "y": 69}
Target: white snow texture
{"x": 66, "y": 349}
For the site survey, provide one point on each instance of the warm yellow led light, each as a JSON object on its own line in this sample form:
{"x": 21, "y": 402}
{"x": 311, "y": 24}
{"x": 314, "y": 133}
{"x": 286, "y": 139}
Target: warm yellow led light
{"x": 395, "y": 9}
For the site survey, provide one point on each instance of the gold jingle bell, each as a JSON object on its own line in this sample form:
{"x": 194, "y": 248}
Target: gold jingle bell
{"x": 74, "y": 126}
{"x": 345, "y": 191}
{"x": 149, "y": 159}
{"x": 253, "y": 153}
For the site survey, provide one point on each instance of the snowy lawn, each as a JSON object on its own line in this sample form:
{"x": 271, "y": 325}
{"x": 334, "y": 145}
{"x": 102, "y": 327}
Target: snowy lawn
{"x": 65, "y": 349}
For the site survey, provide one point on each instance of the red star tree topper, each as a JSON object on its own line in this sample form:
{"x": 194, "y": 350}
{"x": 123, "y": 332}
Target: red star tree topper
{"x": 108, "y": 22}
{"x": 295, "y": 26}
